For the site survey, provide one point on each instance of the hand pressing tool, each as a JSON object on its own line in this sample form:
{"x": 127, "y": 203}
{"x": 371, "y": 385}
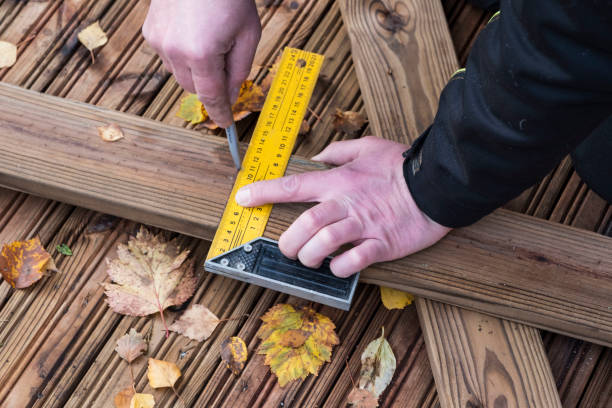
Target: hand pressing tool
{"x": 238, "y": 249}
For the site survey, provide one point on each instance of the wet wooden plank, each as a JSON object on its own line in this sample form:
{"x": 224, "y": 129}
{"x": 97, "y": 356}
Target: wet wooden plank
{"x": 508, "y": 265}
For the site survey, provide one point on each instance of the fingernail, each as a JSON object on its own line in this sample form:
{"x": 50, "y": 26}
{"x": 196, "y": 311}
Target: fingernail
{"x": 243, "y": 196}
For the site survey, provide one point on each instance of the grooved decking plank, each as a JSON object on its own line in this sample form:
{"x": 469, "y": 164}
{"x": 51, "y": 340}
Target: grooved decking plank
{"x": 506, "y": 363}
{"x": 508, "y": 265}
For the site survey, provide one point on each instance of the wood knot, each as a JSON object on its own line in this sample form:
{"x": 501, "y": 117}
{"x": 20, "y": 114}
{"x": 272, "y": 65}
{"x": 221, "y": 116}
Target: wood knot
{"x": 392, "y": 19}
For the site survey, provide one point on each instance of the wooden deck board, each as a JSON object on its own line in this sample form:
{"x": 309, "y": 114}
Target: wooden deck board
{"x": 85, "y": 370}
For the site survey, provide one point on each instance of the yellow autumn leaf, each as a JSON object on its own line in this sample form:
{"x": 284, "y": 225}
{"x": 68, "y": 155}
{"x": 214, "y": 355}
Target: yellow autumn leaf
{"x": 162, "y": 373}
{"x": 377, "y": 365}
{"x": 250, "y": 99}
{"x": 24, "y": 262}
{"x": 234, "y": 353}
{"x": 92, "y": 37}
{"x": 142, "y": 401}
{"x": 395, "y": 299}
{"x": 8, "y": 54}
{"x": 296, "y": 341}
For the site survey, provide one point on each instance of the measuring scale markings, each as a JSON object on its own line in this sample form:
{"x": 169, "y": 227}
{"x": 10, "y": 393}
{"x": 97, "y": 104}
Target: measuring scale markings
{"x": 271, "y": 145}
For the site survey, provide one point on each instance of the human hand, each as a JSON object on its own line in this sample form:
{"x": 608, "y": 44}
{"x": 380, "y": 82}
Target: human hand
{"x": 208, "y": 45}
{"x": 365, "y": 201}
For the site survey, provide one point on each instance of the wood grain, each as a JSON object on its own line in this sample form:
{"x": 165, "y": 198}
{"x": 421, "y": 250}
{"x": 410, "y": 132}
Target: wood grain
{"x": 507, "y": 265}
{"x": 505, "y": 365}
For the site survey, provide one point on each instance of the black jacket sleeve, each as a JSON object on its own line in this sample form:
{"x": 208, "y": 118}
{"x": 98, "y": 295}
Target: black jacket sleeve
{"x": 537, "y": 82}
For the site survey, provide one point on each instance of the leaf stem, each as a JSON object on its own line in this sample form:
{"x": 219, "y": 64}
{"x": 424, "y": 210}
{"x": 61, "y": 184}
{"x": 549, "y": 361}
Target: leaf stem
{"x": 348, "y": 370}
{"x": 179, "y": 397}
{"x": 233, "y": 318}
{"x": 132, "y": 377}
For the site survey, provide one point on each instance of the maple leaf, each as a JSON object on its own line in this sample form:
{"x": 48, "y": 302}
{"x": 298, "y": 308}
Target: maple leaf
{"x": 110, "y": 133}
{"x": 162, "y": 373}
{"x": 377, "y": 365}
{"x": 24, "y": 262}
{"x": 296, "y": 341}
{"x": 250, "y": 99}
{"x": 360, "y": 398}
{"x": 150, "y": 275}
{"x": 131, "y": 346}
{"x": 348, "y": 122}
{"x": 92, "y": 37}
{"x": 197, "y": 323}
{"x": 8, "y": 54}
{"x": 395, "y": 299}
{"x": 234, "y": 353}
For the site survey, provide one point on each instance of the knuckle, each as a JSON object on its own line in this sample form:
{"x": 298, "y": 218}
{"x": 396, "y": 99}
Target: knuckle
{"x": 329, "y": 237}
{"x": 291, "y": 183}
{"x": 312, "y": 219}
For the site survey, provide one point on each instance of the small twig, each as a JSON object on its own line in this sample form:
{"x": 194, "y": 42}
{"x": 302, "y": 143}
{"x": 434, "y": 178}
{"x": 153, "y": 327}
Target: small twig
{"x": 348, "y": 369}
{"x": 178, "y": 396}
{"x": 26, "y": 40}
{"x": 313, "y": 113}
{"x": 233, "y": 318}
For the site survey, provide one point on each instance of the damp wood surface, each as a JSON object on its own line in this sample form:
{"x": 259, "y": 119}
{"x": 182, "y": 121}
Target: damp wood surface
{"x": 476, "y": 359}
{"x": 57, "y": 338}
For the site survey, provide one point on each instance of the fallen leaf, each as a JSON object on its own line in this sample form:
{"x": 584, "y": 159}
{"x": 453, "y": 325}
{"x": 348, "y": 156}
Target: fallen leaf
{"x": 8, "y": 54}
{"x": 234, "y": 353}
{"x": 142, "y": 401}
{"x": 64, "y": 249}
{"x": 131, "y": 346}
{"x": 296, "y": 341}
{"x": 110, "y": 133}
{"x": 150, "y": 275}
{"x": 250, "y": 99}
{"x": 304, "y": 128}
{"x": 24, "y": 262}
{"x": 360, "y": 398}
{"x": 197, "y": 323}
{"x": 348, "y": 121}
{"x": 123, "y": 399}
{"x": 162, "y": 373}
{"x": 395, "y": 299}
{"x": 377, "y": 365}
{"x": 92, "y": 37}
{"x": 192, "y": 110}
{"x": 267, "y": 81}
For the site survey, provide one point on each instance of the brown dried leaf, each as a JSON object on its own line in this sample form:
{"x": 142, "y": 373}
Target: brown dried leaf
{"x": 8, "y": 54}
{"x": 360, "y": 398}
{"x": 197, "y": 323}
{"x": 150, "y": 275}
{"x": 123, "y": 399}
{"x": 92, "y": 36}
{"x": 304, "y": 128}
{"x": 267, "y": 81}
{"x": 162, "y": 373}
{"x": 234, "y": 353}
{"x": 348, "y": 121}
{"x": 142, "y": 401}
{"x": 110, "y": 133}
{"x": 131, "y": 346}
{"x": 24, "y": 262}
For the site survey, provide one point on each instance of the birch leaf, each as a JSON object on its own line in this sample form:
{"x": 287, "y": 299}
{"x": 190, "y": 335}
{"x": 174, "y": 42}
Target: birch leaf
{"x": 150, "y": 275}
{"x": 92, "y": 36}
{"x": 395, "y": 299}
{"x": 377, "y": 366}
{"x": 196, "y": 323}
{"x": 162, "y": 373}
{"x": 123, "y": 399}
{"x": 142, "y": 401}
{"x": 131, "y": 346}
{"x": 24, "y": 262}
{"x": 111, "y": 132}
{"x": 8, "y": 54}
{"x": 296, "y": 341}
{"x": 234, "y": 353}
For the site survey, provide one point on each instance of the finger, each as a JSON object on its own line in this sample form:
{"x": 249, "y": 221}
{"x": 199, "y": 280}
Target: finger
{"x": 339, "y": 153}
{"x": 239, "y": 61}
{"x": 210, "y": 82}
{"x": 183, "y": 76}
{"x": 308, "y": 224}
{"x": 328, "y": 240}
{"x": 297, "y": 188}
{"x": 357, "y": 258}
